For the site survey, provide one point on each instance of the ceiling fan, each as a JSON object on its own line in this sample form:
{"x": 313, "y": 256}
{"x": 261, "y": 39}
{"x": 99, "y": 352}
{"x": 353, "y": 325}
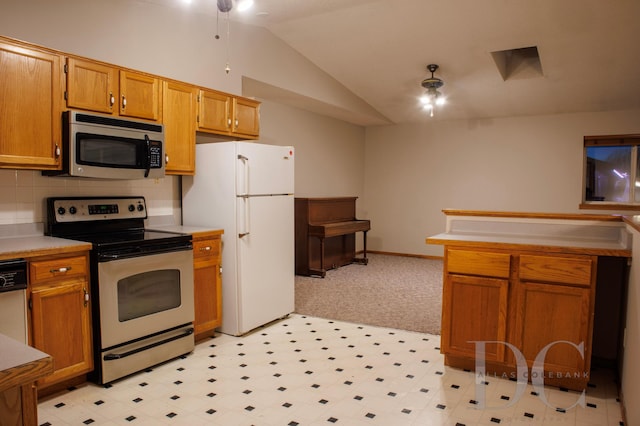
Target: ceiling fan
{"x": 225, "y": 6}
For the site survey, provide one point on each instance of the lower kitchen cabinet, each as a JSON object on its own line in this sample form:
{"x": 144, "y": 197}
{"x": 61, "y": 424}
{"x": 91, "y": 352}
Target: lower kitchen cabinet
{"x": 207, "y": 277}
{"x": 474, "y": 309}
{"x": 536, "y": 305}
{"x": 60, "y": 314}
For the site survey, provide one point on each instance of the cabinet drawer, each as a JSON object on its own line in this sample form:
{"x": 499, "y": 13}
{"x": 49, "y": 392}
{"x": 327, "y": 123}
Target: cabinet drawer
{"x": 482, "y": 263}
{"x": 45, "y": 270}
{"x": 556, "y": 269}
{"x": 206, "y": 249}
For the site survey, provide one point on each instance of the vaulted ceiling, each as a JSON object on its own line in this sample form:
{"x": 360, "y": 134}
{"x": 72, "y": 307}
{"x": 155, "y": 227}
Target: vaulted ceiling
{"x": 585, "y": 54}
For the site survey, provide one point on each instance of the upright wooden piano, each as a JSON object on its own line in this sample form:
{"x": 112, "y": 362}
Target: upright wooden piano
{"x": 325, "y": 231}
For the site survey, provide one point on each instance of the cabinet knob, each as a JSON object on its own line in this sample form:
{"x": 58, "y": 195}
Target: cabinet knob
{"x": 57, "y": 151}
{"x": 60, "y": 270}
{"x": 124, "y": 102}
{"x": 207, "y": 248}
{"x": 166, "y": 159}
{"x": 112, "y": 99}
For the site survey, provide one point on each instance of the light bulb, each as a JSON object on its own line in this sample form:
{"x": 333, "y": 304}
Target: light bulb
{"x": 244, "y": 5}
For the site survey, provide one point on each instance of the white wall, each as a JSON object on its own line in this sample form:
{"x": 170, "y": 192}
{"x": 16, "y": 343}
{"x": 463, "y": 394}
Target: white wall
{"x": 329, "y": 153}
{"x": 534, "y": 164}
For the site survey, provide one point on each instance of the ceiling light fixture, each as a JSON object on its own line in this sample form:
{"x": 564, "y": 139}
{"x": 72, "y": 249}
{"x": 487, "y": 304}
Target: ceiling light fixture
{"x": 433, "y": 97}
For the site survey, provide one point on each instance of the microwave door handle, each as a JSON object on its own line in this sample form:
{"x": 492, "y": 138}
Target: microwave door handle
{"x": 148, "y": 159}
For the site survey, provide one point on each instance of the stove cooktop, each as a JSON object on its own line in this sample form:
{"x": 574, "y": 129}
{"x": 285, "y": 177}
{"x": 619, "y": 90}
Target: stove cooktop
{"x": 106, "y": 222}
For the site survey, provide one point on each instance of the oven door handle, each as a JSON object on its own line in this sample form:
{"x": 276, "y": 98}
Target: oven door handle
{"x": 116, "y": 356}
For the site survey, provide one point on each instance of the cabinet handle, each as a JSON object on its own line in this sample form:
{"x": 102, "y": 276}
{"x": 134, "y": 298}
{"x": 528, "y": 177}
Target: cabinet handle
{"x": 207, "y": 248}
{"x": 124, "y": 102}
{"x": 228, "y": 121}
{"x": 221, "y": 270}
{"x": 86, "y": 297}
{"x": 237, "y": 122}
{"x": 112, "y": 99}
{"x": 57, "y": 151}
{"x": 60, "y": 270}
{"x": 166, "y": 159}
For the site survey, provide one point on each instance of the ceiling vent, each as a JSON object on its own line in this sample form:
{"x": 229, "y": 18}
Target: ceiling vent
{"x": 516, "y": 64}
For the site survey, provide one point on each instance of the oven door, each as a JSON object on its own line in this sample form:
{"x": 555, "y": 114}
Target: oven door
{"x": 145, "y": 295}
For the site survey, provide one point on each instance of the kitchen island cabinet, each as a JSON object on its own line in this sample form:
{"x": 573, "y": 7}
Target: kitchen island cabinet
{"x": 526, "y": 285}
{"x": 31, "y": 84}
{"x": 59, "y": 300}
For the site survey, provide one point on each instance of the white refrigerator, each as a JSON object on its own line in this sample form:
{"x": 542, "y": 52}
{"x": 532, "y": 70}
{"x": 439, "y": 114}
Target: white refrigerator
{"x": 246, "y": 189}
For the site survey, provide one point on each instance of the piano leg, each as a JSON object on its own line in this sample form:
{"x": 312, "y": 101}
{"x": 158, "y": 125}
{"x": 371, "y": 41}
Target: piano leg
{"x": 323, "y": 271}
{"x": 363, "y": 260}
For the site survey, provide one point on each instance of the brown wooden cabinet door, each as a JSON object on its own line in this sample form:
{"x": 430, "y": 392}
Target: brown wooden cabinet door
{"x": 139, "y": 96}
{"x": 474, "y": 309}
{"x": 61, "y": 328}
{"x": 214, "y": 112}
{"x": 550, "y": 313}
{"x": 31, "y": 85}
{"x": 179, "y": 117}
{"x": 91, "y": 85}
{"x": 208, "y": 314}
{"x": 246, "y": 117}
{"x": 207, "y": 284}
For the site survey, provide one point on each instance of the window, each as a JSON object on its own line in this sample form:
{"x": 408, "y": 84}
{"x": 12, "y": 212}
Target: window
{"x": 611, "y": 172}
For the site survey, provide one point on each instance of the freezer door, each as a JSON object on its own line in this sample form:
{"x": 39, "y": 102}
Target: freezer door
{"x": 265, "y": 260}
{"x": 264, "y": 169}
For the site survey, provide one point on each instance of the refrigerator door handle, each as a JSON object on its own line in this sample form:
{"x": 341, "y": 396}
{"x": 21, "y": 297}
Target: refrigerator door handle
{"x": 245, "y": 169}
{"x": 244, "y": 199}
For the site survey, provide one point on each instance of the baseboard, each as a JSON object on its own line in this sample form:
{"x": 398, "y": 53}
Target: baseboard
{"x": 389, "y": 253}
{"x": 622, "y": 406}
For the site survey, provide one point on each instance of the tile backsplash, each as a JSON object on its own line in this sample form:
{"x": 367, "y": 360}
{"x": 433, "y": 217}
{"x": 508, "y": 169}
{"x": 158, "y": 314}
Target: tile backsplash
{"x": 23, "y": 194}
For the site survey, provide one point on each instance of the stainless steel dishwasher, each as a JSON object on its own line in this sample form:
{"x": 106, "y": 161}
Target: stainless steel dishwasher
{"x": 13, "y": 302}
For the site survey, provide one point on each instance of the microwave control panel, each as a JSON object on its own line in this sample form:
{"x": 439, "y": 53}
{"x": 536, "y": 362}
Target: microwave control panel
{"x": 155, "y": 154}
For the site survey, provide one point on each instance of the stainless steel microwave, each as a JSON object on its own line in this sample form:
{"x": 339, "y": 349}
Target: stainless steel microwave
{"x": 105, "y": 147}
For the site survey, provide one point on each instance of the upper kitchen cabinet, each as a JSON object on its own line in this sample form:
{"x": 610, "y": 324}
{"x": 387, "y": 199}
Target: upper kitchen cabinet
{"x": 246, "y": 117}
{"x": 225, "y": 114}
{"x": 31, "y": 86}
{"x": 99, "y": 87}
{"x": 179, "y": 119}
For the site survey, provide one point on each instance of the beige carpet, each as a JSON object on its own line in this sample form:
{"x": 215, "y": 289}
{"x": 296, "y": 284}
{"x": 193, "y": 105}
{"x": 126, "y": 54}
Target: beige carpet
{"x": 391, "y": 291}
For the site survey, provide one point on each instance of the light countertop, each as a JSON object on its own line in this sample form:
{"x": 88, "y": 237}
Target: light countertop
{"x": 21, "y": 364}
{"x": 38, "y": 245}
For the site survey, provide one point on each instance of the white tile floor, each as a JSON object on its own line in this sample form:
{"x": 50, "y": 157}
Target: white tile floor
{"x": 313, "y": 371}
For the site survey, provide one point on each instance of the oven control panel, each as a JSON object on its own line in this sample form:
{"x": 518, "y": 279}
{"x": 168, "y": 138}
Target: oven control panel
{"x": 75, "y": 209}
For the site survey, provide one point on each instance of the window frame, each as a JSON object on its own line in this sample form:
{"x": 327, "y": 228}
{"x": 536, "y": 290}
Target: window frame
{"x": 632, "y": 140}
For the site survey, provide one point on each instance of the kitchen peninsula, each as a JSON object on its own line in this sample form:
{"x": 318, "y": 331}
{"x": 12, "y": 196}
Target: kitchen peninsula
{"x": 534, "y": 285}
{"x": 20, "y": 367}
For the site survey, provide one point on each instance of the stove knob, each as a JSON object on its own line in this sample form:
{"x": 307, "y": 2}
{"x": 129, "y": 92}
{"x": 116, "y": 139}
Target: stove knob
{"x": 132, "y": 207}
{"x": 140, "y": 207}
{"x": 61, "y": 211}
{"x": 73, "y": 210}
